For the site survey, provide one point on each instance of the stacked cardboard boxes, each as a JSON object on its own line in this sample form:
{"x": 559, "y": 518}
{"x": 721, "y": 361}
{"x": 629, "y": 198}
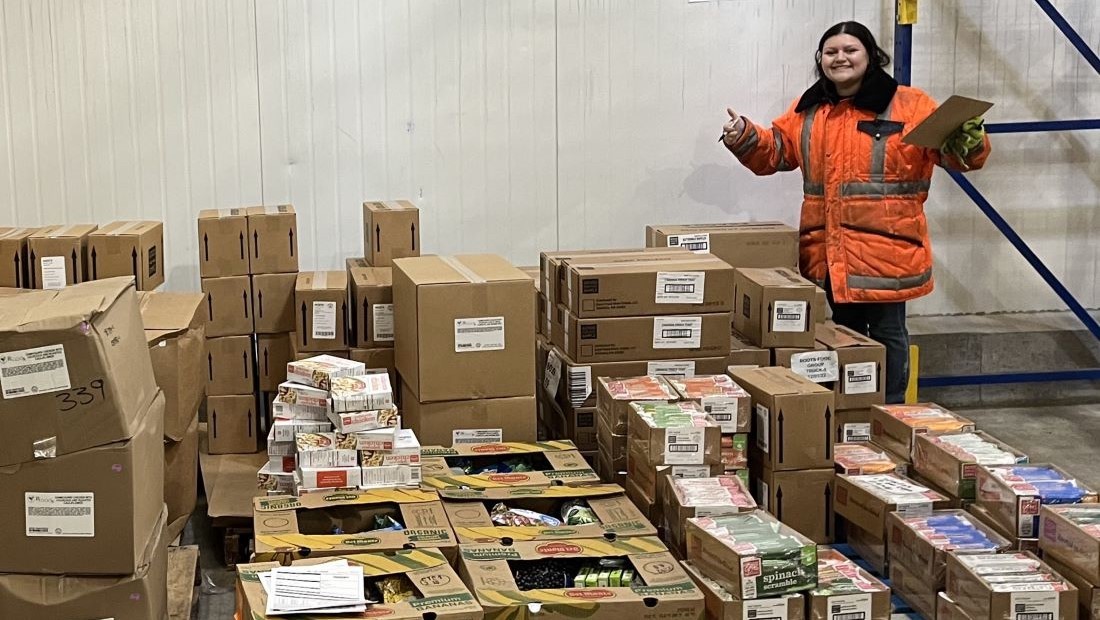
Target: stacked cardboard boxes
{"x": 729, "y": 405}
{"x": 273, "y": 271}
{"x": 81, "y": 495}
{"x": 133, "y": 248}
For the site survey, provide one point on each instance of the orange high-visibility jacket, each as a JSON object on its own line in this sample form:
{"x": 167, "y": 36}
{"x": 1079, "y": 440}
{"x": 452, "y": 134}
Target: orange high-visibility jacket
{"x": 863, "y": 219}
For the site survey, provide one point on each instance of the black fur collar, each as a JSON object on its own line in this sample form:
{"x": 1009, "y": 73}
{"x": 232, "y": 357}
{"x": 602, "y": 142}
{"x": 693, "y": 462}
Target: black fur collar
{"x": 874, "y": 94}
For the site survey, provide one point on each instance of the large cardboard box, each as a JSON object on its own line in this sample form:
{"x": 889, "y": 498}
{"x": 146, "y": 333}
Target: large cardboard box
{"x": 128, "y": 249}
{"x": 441, "y": 594}
{"x": 1019, "y": 543}
{"x": 743, "y": 353}
{"x": 952, "y": 467}
{"x": 576, "y": 425}
{"x": 660, "y": 589}
{"x": 460, "y": 421}
{"x": 59, "y": 255}
{"x": 233, "y": 424}
{"x": 371, "y": 291}
{"x": 658, "y": 285}
{"x": 741, "y": 244}
{"x": 894, "y": 427}
{"x": 230, "y": 366}
{"x": 614, "y": 395}
{"x": 774, "y": 307}
{"x": 792, "y": 419}
{"x": 321, "y": 299}
{"x": 181, "y": 479}
{"x": 978, "y": 586}
{"x": 272, "y": 239}
{"x": 919, "y": 593}
{"x": 721, "y": 605}
{"x": 14, "y": 257}
{"x": 273, "y": 302}
{"x": 687, "y": 498}
{"x": 494, "y": 465}
{"x": 860, "y": 364}
{"x": 472, "y": 511}
{"x": 1015, "y": 503}
{"x": 391, "y": 229}
{"x": 228, "y": 306}
{"x": 464, "y": 328}
{"x": 273, "y": 353}
{"x": 648, "y": 478}
{"x": 844, "y": 590}
{"x": 76, "y": 369}
{"x": 175, "y": 328}
{"x": 854, "y": 426}
{"x": 299, "y": 527}
{"x": 626, "y": 339}
{"x": 1071, "y": 534}
{"x": 377, "y": 359}
{"x": 86, "y": 513}
{"x": 801, "y": 499}
{"x": 552, "y": 265}
{"x": 674, "y": 434}
{"x": 1088, "y": 594}
{"x": 868, "y": 501}
{"x": 141, "y": 595}
{"x": 223, "y": 244}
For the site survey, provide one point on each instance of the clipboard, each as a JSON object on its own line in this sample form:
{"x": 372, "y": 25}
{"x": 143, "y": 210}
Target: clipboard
{"x": 935, "y": 129}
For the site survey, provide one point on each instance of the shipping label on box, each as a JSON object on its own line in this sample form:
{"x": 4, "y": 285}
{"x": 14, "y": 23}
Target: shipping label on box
{"x": 641, "y": 338}
{"x": 223, "y": 244}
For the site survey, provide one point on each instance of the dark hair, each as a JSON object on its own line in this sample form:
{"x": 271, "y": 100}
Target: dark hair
{"x": 877, "y": 58}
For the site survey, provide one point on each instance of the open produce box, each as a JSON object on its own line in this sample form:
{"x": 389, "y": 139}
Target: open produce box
{"x": 1013, "y": 494}
{"x": 341, "y": 522}
{"x": 844, "y": 590}
{"x": 543, "y": 513}
{"x": 628, "y": 578}
{"x": 494, "y": 465}
{"x": 1010, "y": 585}
{"x": 721, "y": 605}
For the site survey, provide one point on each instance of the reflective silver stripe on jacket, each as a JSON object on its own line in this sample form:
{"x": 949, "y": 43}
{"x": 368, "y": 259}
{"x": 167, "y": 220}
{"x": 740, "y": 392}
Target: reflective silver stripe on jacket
{"x": 808, "y": 186}
{"x": 813, "y": 189}
{"x": 783, "y": 164}
{"x": 748, "y": 145}
{"x": 878, "y": 283}
{"x": 882, "y": 189}
{"x": 878, "y": 150}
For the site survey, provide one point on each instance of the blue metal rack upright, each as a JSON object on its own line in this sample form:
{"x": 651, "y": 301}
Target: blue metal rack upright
{"x": 903, "y": 57}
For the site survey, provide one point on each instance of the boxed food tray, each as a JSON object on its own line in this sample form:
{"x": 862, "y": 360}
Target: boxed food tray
{"x": 1071, "y": 534}
{"x": 860, "y": 459}
{"x": 482, "y": 466}
{"x": 1013, "y": 494}
{"x": 868, "y": 501}
{"x": 614, "y": 395}
{"x": 1017, "y": 585}
{"x": 674, "y": 434}
{"x": 844, "y": 590}
{"x": 721, "y": 605}
{"x": 895, "y": 427}
{"x": 687, "y": 498}
{"x": 361, "y": 393}
{"x": 357, "y": 421}
{"x": 951, "y": 461}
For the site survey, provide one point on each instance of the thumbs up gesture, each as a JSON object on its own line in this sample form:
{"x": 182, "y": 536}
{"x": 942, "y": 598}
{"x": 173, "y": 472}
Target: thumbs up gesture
{"x": 732, "y": 130}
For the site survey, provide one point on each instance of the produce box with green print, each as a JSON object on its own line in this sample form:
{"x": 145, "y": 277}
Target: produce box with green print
{"x": 496, "y": 465}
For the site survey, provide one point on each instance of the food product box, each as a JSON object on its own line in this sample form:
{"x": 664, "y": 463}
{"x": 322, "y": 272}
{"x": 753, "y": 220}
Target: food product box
{"x": 793, "y": 419}
{"x": 371, "y": 291}
{"x": 802, "y": 499}
{"x": 674, "y": 434}
{"x": 391, "y": 229}
{"x": 275, "y": 480}
{"x": 484, "y": 466}
{"x": 128, "y": 249}
{"x": 321, "y": 303}
{"x": 320, "y": 370}
{"x": 1088, "y": 594}
{"x": 228, "y": 306}
{"x": 721, "y": 605}
{"x": 223, "y": 243}
{"x": 325, "y": 450}
{"x": 1016, "y": 585}
{"x": 647, "y": 480}
{"x": 175, "y": 328}
{"x": 614, "y": 396}
{"x": 361, "y": 393}
{"x": 859, "y": 380}
{"x": 741, "y": 244}
{"x": 1071, "y": 534}
{"x": 387, "y": 447}
{"x": 1014, "y": 494}
{"x": 355, "y": 421}
{"x": 844, "y": 590}
{"x": 774, "y": 307}
{"x": 859, "y": 459}
{"x": 389, "y": 476}
{"x": 59, "y": 255}
{"x": 272, "y": 239}
{"x": 725, "y": 401}
{"x": 867, "y": 501}
{"x": 273, "y": 303}
{"x": 919, "y": 593}
{"x": 895, "y": 427}
{"x": 686, "y": 498}
{"x": 283, "y": 431}
{"x": 623, "y": 339}
{"x": 735, "y": 451}
{"x": 15, "y": 272}
{"x": 951, "y": 461}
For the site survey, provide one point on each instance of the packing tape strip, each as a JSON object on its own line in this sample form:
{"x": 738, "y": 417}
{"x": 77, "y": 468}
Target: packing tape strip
{"x": 14, "y": 232}
{"x": 63, "y": 231}
{"x": 463, "y": 270}
{"x": 320, "y": 280}
{"x": 128, "y": 226}
{"x": 276, "y": 210}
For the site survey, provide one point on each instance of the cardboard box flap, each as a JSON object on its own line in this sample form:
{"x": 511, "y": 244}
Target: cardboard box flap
{"x": 371, "y": 276}
{"x": 390, "y": 205}
{"x": 217, "y": 214}
{"x": 322, "y": 281}
{"x": 270, "y": 210}
{"x": 499, "y": 448}
{"x": 126, "y": 227}
{"x": 503, "y": 493}
{"x": 72, "y": 305}
{"x": 835, "y": 336}
{"x": 16, "y": 233}
{"x": 460, "y": 269}
{"x": 777, "y": 381}
{"x": 778, "y": 277}
{"x": 169, "y": 313}
{"x": 674, "y": 229}
{"x": 311, "y": 501}
{"x": 71, "y": 231}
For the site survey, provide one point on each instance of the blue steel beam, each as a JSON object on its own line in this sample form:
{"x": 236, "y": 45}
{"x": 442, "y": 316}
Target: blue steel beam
{"x": 1034, "y": 126}
{"x": 1071, "y": 34}
{"x": 1087, "y": 374}
{"x": 903, "y": 53}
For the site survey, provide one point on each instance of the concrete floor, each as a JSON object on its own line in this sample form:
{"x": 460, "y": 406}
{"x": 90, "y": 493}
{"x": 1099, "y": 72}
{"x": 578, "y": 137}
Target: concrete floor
{"x": 1068, "y": 436}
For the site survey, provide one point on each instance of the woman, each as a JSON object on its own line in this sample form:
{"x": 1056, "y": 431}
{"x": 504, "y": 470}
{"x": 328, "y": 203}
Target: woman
{"x": 863, "y": 234}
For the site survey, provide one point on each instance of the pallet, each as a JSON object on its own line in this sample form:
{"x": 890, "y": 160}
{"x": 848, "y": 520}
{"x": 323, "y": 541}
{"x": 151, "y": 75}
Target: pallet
{"x": 183, "y": 563}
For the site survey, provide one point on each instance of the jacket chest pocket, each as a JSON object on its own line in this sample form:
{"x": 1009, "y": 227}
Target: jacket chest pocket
{"x": 880, "y": 129}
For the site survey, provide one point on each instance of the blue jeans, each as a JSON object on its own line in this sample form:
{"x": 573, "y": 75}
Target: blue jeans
{"x": 885, "y": 323}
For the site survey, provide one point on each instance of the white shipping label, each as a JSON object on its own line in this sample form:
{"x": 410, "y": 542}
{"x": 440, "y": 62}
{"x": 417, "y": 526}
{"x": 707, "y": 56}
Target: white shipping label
{"x": 698, "y": 242}
{"x": 60, "y": 515}
{"x": 677, "y": 332}
{"x": 324, "y": 320}
{"x": 817, "y": 366}
{"x": 684, "y": 446}
{"x": 1034, "y": 605}
{"x": 551, "y": 374}
{"x": 53, "y": 272}
{"x": 856, "y": 431}
{"x": 850, "y": 607}
{"x": 861, "y": 378}
{"x": 382, "y": 322}
{"x": 34, "y": 371}
{"x": 685, "y": 368}
{"x": 476, "y": 436}
{"x": 789, "y": 316}
{"x": 479, "y": 334}
{"x": 767, "y": 609}
{"x": 915, "y": 510}
{"x": 580, "y": 384}
{"x": 763, "y": 428}
{"x": 680, "y": 287}
{"x": 689, "y": 471}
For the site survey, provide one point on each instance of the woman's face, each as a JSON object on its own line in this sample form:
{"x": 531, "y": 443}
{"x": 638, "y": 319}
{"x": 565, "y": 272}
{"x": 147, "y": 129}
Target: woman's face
{"x": 844, "y": 60}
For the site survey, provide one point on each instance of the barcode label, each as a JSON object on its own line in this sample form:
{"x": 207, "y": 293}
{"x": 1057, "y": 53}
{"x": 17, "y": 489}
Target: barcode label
{"x": 677, "y": 332}
{"x": 684, "y": 446}
{"x": 382, "y": 322}
{"x": 551, "y": 374}
{"x": 580, "y": 384}
{"x": 789, "y": 316}
{"x": 680, "y": 287}
{"x": 698, "y": 243}
{"x": 684, "y": 368}
{"x": 850, "y": 607}
{"x": 861, "y": 378}
{"x": 476, "y": 436}
{"x": 764, "y": 609}
{"x": 817, "y": 366}
{"x": 1034, "y": 605}
{"x": 60, "y": 515}
{"x": 53, "y": 272}
{"x": 324, "y": 320}
{"x": 762, "y": 416}
{"x": 34, "y": 371}
{"x": 479, "y": 334}
{"x": 853, "y": 432}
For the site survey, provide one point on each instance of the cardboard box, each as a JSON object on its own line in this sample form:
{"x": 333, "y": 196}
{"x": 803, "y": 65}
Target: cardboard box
{"x": 1071, "y": 534}
{"x": 792, "y": 419}
{"x": 272, "y": 239}
{"x": 657, "y": 286}
{"x": 867, "y": 501}
{"x": 861, "y": 365}
{"x": 14, "y": 257}
{"x": 223, "y": 245}
{"x": 894, "y": 426}
{"x": 90, "y": 512}
{"x": 674, "y": 434}
{"x": 648, "y": 478}
{"x": 546, "y": 463}
{"x": 492, "y": 571}
{"x": 1088, "y": 594}
{"x": 233, "y": 424}
{"x": 76, "y": 369}
{"x": 742, "y": 353}
{"x": 801, "y": 499}
{"x": 466, "y": 329}
{"x": 870, "y": 546}
{"x": 687, "y": 498}
{"x": 741, "y": 244}
{"x": 59, "y": 255}
{"x": 946, "y": 609}
{"x": 576, "y": 425}
{"x": 321, "y": 298}
{"x": 722, "y": 399}
{"x": 721, "y": 605}
{"x": 976, "y": 583}
{"x": 273, "y": 302}
{"x": 377, "y": 359}
{"x": 128, "y": 249}
{"x": 1018, "y": 543}
{"x": 228, "y": 306}
{"x": 612, "y": 447}
{"x": 371, "y": 291}
{"x": 1015, "y": 503}
{"x": 814, "y": 363}
{"x": 552, "y": 265}
{"x": 137, "y": 596}
{"x": 614, "y": 395}
{"x": 854, "y": 426}
{"x": 175, "y": 328}
{"x": 458, "y": 421}
{"x": 440, "y": 592}
{"x": 298, "y": 527}
{"x": 821, "y": 306}
{"x": 844, "y": 590}
{"x": 391, "y": 230}
{"x": 919, "y": 593}
{"x": 272, "y": 356}
{"x": 641, "y": 338}
{"x": 471, "y": 511}
{"x": 230, "y": 366}
{"x": 779, "y": 561}
{"x": 952, "y": 466}
{"x": 229, "y": 482}
{"x": 774, "y": 307}
{"x": 181, "y": 479}
{"x": 861, "y": 459}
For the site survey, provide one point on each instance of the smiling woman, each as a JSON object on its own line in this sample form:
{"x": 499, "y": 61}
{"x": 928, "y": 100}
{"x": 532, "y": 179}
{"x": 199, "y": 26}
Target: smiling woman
{"x": 863, "y": 234}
